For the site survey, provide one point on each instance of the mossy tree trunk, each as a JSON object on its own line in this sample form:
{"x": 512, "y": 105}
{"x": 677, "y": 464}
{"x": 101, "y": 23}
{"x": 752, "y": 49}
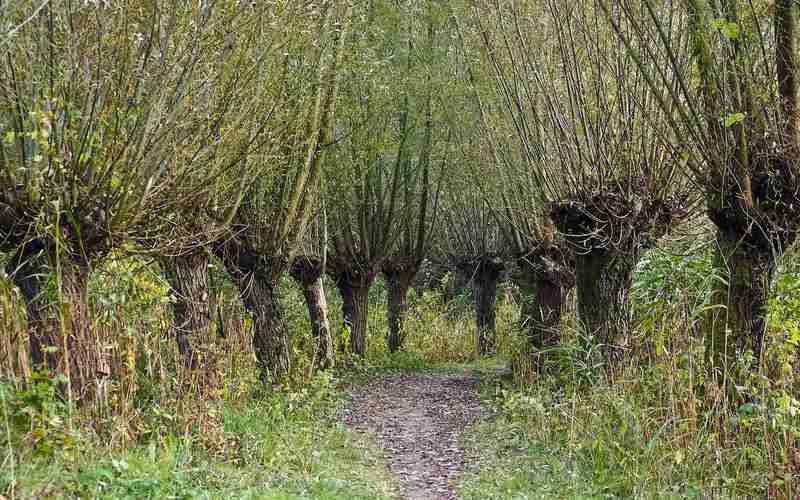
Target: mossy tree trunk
{"x": 603, "y": 281}
{"x": 737, "y": 319}
{"x": 486, "y": 278}
{"x": 751, "y": 184}
{"x": 541, "y": 303}
{"x": 308, "y": 272}
{"x": 187, "y": 275}
{"x": 256, "y": 277}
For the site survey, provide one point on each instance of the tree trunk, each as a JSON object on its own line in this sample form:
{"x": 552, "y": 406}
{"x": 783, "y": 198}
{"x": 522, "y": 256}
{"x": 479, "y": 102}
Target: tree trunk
{"x": 308, "y": 272}
{"x": 397, "y": 285}
{"x": 355, "y": 310}
{"x": 486, "y": 278}
{"x": 737, "y": 320}
{"x": 317, "y": 304}
{"x": 541, "y": 304}
{"x": 256, "y": 277}
{"x": 28, "y": 270}
{"x": 270, "y": 332}
{"x": 187, "y": 275}
{"x": 604, "y": 280}
{"x": 65, "y": 342}
{"x": 79, "y": 354}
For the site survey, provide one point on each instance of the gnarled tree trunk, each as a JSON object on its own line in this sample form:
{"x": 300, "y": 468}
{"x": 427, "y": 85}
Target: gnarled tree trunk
{"x": 61, "y": 338}
{"x": 271, "y": 334}
{"x": 354, "y": 289}
{"x": 737, "y": 320}
{"x": 603, "y": 282}
{"x": 308, "y": 274}
{"x": 187, "y": 275}
{"x": 398, "y": 275}
{"x": 256, "y": 277}
{"x": 541, "y": 303}
{"x": 486, "y": 278}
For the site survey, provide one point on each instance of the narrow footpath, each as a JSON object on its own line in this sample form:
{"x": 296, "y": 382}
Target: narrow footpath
{"x": 417, "y": 420}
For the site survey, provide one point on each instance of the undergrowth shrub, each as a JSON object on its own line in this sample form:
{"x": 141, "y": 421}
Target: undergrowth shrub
{"x": 655, "y": 426}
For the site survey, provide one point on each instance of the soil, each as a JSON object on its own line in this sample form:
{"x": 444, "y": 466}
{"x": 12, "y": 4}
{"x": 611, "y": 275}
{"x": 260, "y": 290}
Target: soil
{"x": 417, "y": 420}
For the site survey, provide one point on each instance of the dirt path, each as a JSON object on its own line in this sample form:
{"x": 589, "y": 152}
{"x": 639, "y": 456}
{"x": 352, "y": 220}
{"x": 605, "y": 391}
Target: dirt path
{"x": 417, "y": 420}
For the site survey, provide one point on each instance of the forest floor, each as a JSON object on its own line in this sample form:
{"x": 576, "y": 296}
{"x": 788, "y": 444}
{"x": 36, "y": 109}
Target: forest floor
{"x": 417, "y": 420}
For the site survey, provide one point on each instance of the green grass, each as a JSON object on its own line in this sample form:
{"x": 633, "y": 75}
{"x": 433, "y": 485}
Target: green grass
{"x": 623, "y": 440}
{"x": 276, "y": 446}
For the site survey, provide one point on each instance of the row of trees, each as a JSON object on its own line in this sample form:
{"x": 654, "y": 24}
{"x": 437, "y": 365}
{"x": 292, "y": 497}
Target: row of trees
{"x": 620, "y": 119}
{"x": 557, "y": 139}
{"x": 196, "y": 132}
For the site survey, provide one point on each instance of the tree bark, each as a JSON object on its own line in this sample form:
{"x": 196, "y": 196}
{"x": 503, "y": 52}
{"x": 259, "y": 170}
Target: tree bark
{"x": 737, "y": 320}
{"x": 355, "y": 309}
{"x": 317, "y": 304}
{"x": 486, "y": 278}
{"x": 270, "y": 333}
{"x": 603, "y": 282}
{"x": 397, "y": 284}
{"x": 28, "y": 270}
{"x": 308, "y": 274}
{"x": 187, "y": 275}
{"x": 541, "y": 303}
{"x": 256, "y": 277}
{"x": 61, "y": 339}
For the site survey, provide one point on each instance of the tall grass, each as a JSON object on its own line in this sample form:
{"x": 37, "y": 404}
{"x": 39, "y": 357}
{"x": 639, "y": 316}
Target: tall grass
{"x": 653, "y": 427}
{"x": 156, "y": 430}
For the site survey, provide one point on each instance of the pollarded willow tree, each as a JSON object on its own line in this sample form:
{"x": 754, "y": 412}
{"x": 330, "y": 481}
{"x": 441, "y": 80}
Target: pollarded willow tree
{"x": 379, "y": 196}
{"x": 276, "y": 208}
{"x": 99, "y": 118}
{"x": 473, "y": 243}
{"x": 545, "y": 263}
{"x": 543, "y": 267}
{"x": 737, "y": 108}
{"x": 237, "y": 91}
{"x": 594, "y": 141}
{"x": 364, "y": 225}
{"x": 422, "y": 156}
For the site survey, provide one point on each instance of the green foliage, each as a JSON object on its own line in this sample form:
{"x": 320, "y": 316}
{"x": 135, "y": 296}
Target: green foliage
{"x": 36, "y": 418}
{"x": 277, "y": 445}
{"x": 784, "y": 306}
{"x": 656, "y": 427}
